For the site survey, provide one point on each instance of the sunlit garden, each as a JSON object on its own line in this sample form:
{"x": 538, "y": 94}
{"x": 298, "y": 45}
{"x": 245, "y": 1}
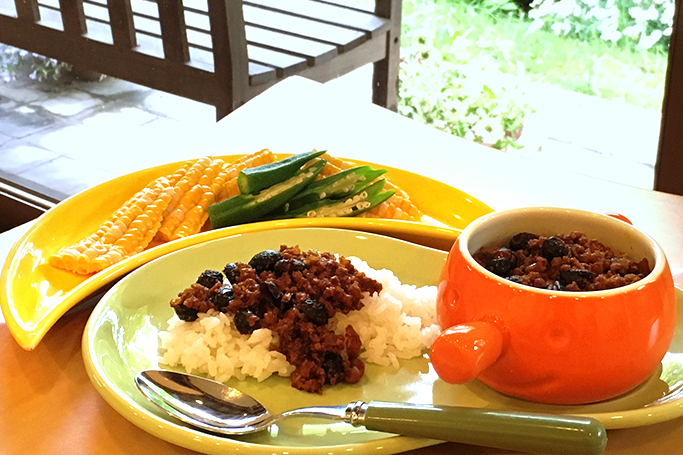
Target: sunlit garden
{"x": 468, "y": 65}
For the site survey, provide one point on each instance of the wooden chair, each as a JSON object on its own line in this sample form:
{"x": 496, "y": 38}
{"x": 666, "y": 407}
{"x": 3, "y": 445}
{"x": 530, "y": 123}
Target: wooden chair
{"x": 220, "y": 52}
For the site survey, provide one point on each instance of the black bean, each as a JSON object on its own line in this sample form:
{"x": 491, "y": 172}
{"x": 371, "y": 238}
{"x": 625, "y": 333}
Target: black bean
{"x": 315, "y": 312}
{"x": 223, "y": 297}
{"x": 515, "y": 279}
{"x": 185, "y": 313}
{"x": 296, "y": 265}
{"x": 501, "y": 266}
{"x": 265, "y": 260}
{"x": 291, "y": 265}
{"x": 281, "y": 266}
{"x": 554, "y": 247}
{"x": 579, "y": 276}
{"x": 209, "y": 278}
{"x": 246, "y": 321}
{"x": 521, "y": 241}
{"x": 502, "y": 262}
{"x": 333, "y": 364}
{"x": 259, "y": 309}
{"x": 231, "y": 272}
{"x": 272, "y": 291}
{"x": 285, "y": 302}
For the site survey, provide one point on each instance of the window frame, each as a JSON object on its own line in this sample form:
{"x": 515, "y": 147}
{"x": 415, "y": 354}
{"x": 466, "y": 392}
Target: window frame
{"x": 669, "y": 164}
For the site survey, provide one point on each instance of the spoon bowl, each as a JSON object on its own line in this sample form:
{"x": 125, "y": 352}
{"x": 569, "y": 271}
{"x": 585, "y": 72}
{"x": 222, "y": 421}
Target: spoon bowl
{"x": 217, "y": 408}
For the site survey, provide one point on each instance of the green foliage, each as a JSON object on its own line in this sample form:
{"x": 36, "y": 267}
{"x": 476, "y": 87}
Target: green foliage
{"x": 595, "y": 67}
{"x": 443, "y": 85}
{"x": 465, "y": 98}
{"x": 20, "y": 63}
{"x": 495, "y": 8}
{"x": 639, "y": 24}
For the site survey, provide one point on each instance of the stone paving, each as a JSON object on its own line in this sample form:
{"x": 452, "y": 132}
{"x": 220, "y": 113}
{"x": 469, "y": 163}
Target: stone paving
{"x": 88, "y": 132}
{"x": 67, "y": 140}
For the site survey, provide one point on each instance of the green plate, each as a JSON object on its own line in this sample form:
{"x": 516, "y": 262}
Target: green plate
{"x": 121, "y": 338}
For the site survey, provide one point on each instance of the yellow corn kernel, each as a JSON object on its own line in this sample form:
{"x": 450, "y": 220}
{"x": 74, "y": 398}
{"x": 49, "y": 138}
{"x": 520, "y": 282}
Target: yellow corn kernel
{"x": 174, "y": 178}
{"x": 176, "y": 216}
{"x": 333, "y": 166}
{"x": 187, "y": 214}
{"x": 197, "y": 215}
{"x": 397, "y": 207}
{"x": 229, "y": 188}
{"x": 128, "y": 232}
{"x": 189, "y": 179}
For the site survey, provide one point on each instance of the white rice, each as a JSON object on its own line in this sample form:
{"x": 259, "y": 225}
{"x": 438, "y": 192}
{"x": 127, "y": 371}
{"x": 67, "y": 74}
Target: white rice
{"x": 398, "y": 323}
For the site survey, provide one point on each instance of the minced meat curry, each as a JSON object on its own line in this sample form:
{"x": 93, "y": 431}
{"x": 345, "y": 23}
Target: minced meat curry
{"x": 565, "y": 262}
{"x": 294, "y": 294}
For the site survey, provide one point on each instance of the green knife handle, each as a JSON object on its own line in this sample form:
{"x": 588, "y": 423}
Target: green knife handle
{"x": 536, "y": 433}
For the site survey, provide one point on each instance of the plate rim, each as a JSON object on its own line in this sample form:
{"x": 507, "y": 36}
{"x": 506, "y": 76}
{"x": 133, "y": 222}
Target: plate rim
{"x": 28, "y": 334}
{"x": 153, "y": 424}
{"x": 630, "y": 418}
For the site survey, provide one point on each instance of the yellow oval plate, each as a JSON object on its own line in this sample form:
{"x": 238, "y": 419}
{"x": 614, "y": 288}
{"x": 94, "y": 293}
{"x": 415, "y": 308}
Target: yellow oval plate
{"x": 121, "y": 338}
{"x": 34, "y": 295}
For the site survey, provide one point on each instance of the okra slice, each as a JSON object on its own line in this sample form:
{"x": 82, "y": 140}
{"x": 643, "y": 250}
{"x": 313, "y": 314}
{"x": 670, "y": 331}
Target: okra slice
{"x": 360, "y": 202}
{"x": 255, "y": 179}
{"x": 336, "y": 186}
{"x": 246, "y": 208}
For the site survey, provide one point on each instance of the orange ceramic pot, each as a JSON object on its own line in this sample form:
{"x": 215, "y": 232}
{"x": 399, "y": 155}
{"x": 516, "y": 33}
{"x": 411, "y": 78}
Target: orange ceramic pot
{"x": 557, "y": 347}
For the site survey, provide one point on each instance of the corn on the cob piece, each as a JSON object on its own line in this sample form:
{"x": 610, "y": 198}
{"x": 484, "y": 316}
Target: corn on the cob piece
{"x": 128, "y": 232}
{"x": 218, "y": 181}
{"x": 224, "y": 186}
{"x": 190, "y": 196}
{"x": 198, "y": 214}
{"x": 180, "y": 172}
{"x": 397, "y": 207}
{"x": 185, "y": 178}
{"x": 229, "y": 188}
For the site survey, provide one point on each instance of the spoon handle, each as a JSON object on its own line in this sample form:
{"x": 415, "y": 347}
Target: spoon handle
{"x": 537, "y": 433}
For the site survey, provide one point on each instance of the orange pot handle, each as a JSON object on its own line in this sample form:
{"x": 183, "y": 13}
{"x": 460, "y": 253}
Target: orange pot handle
{"x": 619, "y": 217}
{"x": 463, "y": 351}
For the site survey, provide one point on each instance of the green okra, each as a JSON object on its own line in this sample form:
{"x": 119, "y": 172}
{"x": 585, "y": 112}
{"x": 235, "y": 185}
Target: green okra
{"x": 355, "y": 204}
{"x": 335, "y": 186}
{"x": 255, "y": 179}
{"x": 246, "y": 208}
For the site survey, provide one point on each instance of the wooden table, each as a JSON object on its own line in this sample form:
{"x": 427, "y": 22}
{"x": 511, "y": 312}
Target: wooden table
{"x": 47, "y": 404}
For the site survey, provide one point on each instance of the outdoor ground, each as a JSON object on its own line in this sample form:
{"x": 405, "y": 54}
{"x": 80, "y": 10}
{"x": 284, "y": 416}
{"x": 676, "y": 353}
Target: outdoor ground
{"x": 87, "y": 132}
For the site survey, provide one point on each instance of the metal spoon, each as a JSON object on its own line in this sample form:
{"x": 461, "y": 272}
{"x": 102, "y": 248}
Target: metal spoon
{"x": 215, "y": 407}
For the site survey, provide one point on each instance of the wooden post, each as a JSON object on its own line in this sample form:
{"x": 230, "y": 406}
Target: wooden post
{"x": 669, "y": 165}
{"x": 385, "y": 72}
{"x": 27, "y": 10}
{"x": 173, "y": 32}
{"x": 231, "y": 63}
{"x": 121, "y": 23}
{"x": 73, "y": 17}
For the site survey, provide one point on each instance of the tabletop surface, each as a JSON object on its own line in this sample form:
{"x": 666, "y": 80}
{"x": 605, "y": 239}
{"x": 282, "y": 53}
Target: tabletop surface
{"x": 47, "y": 403}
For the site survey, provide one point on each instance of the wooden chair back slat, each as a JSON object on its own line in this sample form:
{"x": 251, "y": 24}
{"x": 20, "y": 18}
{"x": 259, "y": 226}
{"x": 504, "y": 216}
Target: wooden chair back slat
{"x": 313, "y": 51}
{"x": 73, "y": 17}
{"x": 260, "y": 74}
{"x": 386, "y": 70}
{"x": 121, "y": 23}
{"x": 284, "y": 64}
{"x": 173, "y": 34}
{"x": 27, "y": 10}
{"x": 222, "y": 52}
{"x": 344, "y": 38}
{"x": 231, "y": 63}
{"x": 327, "y": 13}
